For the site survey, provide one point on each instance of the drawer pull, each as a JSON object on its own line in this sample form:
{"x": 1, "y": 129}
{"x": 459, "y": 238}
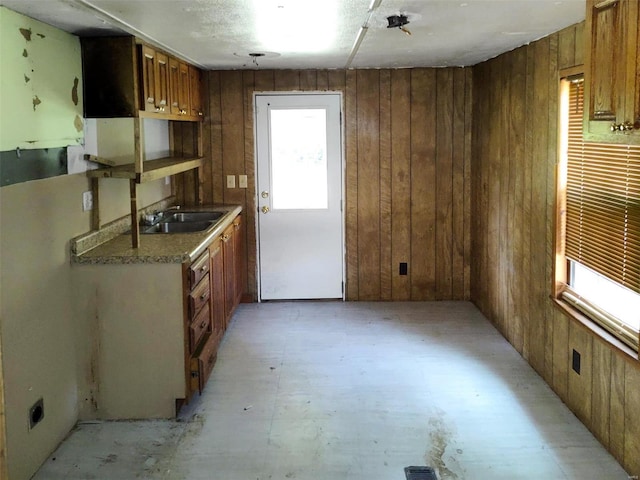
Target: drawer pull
{"x": 203, "y": 296}
{"x": 203, "y": 324}
{"x": 203, "y": 268}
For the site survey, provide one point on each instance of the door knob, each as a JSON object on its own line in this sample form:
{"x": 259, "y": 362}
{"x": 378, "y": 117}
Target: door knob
{"x": 265, "y": 209}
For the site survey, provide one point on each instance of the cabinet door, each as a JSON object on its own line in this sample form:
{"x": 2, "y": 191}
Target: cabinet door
{"x": 148, "y": 79}
{"x": 174, "y": 85}
{"x": 162, "y": 82}
{"x": 195, "y": 91}
{"x": 632, "y": 100}
{"x": 611, "y": 79}
{"x": 179, "y": 87}
{"x": 238, "y": 250}
{"x": 184, "y": 99}
{"x": 229, "y": 272}
{"x": 217, "y": 288}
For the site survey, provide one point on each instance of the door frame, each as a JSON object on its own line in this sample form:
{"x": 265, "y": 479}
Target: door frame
{"x": 342, "y": 179}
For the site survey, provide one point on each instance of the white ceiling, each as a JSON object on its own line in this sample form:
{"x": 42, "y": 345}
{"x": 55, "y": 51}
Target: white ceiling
{"x": 299, "y": 34}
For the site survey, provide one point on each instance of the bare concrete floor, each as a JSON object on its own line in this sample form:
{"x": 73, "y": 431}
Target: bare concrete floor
{"x": 332, "y": 390}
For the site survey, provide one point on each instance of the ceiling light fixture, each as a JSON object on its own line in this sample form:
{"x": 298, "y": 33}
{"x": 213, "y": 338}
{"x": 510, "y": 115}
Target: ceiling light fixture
{"x": 255, "y": 56}
{"x": 398, "y": 21}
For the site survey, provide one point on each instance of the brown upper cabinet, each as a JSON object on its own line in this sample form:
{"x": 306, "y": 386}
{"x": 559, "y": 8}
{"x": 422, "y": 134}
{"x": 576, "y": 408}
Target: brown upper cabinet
{"x": 124, "y": 77}
{"x": 612, "y": 82}
{"x": 195, "y": 90}
{"x": 179, "y": 81}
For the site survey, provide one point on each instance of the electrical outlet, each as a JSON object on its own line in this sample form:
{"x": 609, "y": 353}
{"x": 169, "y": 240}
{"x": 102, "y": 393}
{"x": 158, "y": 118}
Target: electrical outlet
{"x": 231, "y": 181}
{"x": 575, "y": 362}
{"x": 87, "y": 201}
{"x": 242, "y": 181}
{"x": 36, "y": 413}
{"x": 403, "y": 268}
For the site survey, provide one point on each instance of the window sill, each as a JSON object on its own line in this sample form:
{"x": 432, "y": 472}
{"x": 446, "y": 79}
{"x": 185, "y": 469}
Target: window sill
{"x": 595, "y": 329}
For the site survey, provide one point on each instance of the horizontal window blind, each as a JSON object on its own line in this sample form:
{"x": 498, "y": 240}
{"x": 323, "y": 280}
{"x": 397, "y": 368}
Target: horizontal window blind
{"x": 603, "y": 202}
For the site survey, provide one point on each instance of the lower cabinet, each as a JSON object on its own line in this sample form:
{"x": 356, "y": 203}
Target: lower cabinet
{"x": 211, "y": 298}
{"x": 153, "y": 331}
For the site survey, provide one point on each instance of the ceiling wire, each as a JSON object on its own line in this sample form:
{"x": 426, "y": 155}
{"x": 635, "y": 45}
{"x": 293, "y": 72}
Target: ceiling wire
{"x": 362, "y": 32}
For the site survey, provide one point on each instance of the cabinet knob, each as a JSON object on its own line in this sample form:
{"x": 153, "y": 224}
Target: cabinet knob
{"x": 622, "y": 127}
{"x": 203, "y": 324}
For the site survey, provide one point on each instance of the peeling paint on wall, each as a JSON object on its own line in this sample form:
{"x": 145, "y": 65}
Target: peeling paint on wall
{"x": 74, "y": 91}
{"x": 40, "y": 88}
{"x": 26, "y": 33}
{"x": 78, "y": 123}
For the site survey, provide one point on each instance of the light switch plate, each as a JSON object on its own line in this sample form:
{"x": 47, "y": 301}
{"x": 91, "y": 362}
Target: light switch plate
{"x": 231, "y": 181}
{"x": 242, "y": 181}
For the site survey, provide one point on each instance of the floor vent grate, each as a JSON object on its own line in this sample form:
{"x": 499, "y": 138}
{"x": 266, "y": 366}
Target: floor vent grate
{"x": 420, "y": 473}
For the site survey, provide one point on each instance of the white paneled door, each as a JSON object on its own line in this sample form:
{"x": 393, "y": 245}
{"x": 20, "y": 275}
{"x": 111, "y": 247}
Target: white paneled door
{"x": 299, "y": 165}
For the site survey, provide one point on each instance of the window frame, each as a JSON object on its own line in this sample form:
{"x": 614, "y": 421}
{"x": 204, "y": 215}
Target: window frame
{"x": 562, "y": 295}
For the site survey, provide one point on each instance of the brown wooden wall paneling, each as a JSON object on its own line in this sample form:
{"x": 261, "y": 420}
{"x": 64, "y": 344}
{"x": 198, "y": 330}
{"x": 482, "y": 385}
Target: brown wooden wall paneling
{"x": 617, "y": 407}
{"x": 551, "y": 156}
{"x": 401, "y": 182}
{"x": 423, "y": 193}
{"x": 386, "y": 239}
{"x": 468, "y": 155}
{"x": 250, "y": 208}
{"x": 308, "y": 80}
{"x": 504, "y": 169}
{"x": 606, "y": 393}
{"x": 601, "y": 391}
{"x": 479, "y": 141}
{"x": 351, "y": 186}
{"x": 407, "y": 182}
{"x": 580, "y": 384}
{"x": 539, "y": 290}
{"x": 215, "y": 111}
{"x": 631, "y": 418}
{"x": 567, "y": 48}
{"x": 458, "y": 141}
{"x": 517, "y": 131}
{"x": 368, "y": 115}
{"x": 444, "y": 185}
{"x": 492, "y": 204}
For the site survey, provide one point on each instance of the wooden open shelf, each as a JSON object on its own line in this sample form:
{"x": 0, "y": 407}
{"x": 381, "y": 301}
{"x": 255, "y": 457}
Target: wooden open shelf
{"x": 152, "y": 169}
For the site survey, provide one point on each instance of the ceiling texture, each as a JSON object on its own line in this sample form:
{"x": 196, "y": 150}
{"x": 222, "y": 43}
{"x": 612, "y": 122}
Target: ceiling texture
{"x": 301, "y": 34}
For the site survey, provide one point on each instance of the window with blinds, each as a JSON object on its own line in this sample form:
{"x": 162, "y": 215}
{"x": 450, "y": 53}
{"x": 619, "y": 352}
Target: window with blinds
{"x": 602, "y": 231}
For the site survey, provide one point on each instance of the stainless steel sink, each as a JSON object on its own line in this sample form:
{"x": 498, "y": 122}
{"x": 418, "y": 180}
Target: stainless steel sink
{"x": 178, "y": 227}
{"x": 173, "y": 221}
{"x": 182, "y": 217}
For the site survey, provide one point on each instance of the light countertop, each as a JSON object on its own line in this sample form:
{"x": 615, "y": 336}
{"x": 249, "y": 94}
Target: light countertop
{"x": 161, "y": 247}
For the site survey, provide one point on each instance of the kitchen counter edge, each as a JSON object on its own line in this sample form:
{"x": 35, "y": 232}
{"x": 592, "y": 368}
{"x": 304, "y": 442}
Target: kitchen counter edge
{"x": 159, "y": 248}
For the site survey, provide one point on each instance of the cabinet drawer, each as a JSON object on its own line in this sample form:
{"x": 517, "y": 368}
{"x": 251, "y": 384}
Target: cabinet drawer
{"x": 200, "y": 325}
{"x": 199, "y": 268}
{"x": 202, "y": 364}
{"x": 199, "y": 296}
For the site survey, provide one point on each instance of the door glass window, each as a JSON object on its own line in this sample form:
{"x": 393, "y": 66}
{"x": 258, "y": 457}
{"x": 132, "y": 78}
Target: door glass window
{"x": 299, "y": 159}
